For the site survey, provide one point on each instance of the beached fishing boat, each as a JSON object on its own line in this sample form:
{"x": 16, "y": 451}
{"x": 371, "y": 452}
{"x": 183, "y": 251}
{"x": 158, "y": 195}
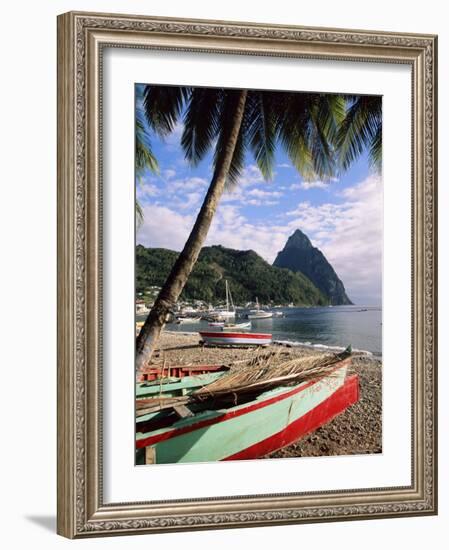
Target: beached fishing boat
{"x": 224, "y": 338}
{"x": 223, "y": 416}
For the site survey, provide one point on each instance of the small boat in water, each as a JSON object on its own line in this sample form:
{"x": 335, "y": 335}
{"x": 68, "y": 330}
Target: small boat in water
{"x": 229, "y": 312}
{"x": 182, "y": 320}
{"x": 215, "y": 415}
{"x": 278, "y": 314}
{"x": 224, "y": 338}
{"x": 258, "y": 313}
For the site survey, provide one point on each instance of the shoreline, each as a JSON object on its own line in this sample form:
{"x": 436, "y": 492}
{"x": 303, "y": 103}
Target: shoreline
{"x": 358, "y": 430}
{"x": 297, "y": 344}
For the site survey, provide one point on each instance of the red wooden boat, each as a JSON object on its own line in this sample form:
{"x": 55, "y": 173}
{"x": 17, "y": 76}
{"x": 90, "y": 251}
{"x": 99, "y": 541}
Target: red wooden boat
{"x": 236, "y": 338}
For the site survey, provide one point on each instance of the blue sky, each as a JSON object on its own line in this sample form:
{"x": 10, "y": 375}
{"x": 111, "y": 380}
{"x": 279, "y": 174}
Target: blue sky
{"x": 342, "y": 217}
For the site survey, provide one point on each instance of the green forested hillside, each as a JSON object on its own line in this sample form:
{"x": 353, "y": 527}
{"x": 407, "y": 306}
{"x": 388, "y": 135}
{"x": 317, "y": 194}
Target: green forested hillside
{"x": 248, "y": 275}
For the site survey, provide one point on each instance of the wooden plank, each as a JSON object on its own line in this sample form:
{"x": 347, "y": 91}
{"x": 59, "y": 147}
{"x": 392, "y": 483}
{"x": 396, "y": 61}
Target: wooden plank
{"x": 150, "y": 455}
{"x": 162, "y": 405}
{"x": 183, "y": 411}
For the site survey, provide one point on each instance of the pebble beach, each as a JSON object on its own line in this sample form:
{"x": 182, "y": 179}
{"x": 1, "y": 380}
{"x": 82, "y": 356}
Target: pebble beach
{"x": 356, "y": 431}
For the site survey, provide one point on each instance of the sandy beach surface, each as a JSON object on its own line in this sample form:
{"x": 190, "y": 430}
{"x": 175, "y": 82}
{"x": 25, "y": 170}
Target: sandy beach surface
{"x": 356, "y": 431}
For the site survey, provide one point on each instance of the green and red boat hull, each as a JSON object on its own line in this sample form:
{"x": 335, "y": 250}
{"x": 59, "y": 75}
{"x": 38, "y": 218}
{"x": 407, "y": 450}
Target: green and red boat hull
{"x": 270, "y": 422}
{"x": 338, "y": 402}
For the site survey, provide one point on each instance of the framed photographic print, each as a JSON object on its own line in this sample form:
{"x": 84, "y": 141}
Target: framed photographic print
{"x": 247, "y": 274}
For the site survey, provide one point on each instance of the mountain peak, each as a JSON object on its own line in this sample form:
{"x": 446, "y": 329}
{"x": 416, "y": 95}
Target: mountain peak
{"x": 298, "y": 240}
{"x": 300, "y": 256}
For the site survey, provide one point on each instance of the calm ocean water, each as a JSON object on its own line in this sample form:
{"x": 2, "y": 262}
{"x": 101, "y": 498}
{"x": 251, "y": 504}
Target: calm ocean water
{"x": 338, "y": 326}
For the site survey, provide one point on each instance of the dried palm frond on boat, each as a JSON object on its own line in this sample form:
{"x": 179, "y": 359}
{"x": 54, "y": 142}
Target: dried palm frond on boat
{"x": 250, "y": 378}
{"x": 258, "y": 375}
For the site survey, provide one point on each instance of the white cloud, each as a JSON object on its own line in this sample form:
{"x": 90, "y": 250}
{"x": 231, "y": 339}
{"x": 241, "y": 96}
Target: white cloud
{"x": 186, "y": 184}
{"x": 284, "y": 165}
{"x": 262, "y": 194}
{"x": 164, "y": 228}
{"x": 251, "y": 175}
{"x": 191, "y": 200}
{"x": 184, "y": 193}
{"x": 315, "y": 184}
{"x": 233, "y": 230}
{"x": 194, "y": 182}
{"x": 146, "y": 191}
{"x": 229, "y": 215}
{"x": 233, "y": 196}
{"x": 258, "y": 202}
{"x": 253, "y": 197}
{"x": 169, "y": 173}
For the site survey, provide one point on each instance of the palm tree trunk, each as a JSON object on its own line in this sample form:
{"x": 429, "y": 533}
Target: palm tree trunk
{"x": 170, "y": 292}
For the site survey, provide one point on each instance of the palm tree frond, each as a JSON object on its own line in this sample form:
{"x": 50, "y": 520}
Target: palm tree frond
{"x": 361, "y": 129}
{"x": 163, "y": 106}
{"x": 238, "y": 160}
{"x": 260, "y": 127}
{"x": 144, "y": 154}
{"x": 201, "y": 122}
{"x": 139, "y": 214}
{"x": 376, "y": 149}
{"x": 322, "y": 133}
{"x": 145, "y": 158}
{"x": 302, "y": 133}
{"x": 330, "y": 112}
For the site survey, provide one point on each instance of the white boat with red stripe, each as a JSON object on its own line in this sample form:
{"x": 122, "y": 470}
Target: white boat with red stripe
{"x": 236, "y": 338}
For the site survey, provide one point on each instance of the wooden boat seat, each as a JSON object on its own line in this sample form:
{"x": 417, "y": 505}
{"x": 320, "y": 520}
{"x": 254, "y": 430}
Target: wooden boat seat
{"x": 150, "y": 373}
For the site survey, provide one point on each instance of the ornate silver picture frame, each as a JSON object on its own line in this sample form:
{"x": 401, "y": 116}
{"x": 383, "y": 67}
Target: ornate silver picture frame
{"x": 82, "y": 39}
